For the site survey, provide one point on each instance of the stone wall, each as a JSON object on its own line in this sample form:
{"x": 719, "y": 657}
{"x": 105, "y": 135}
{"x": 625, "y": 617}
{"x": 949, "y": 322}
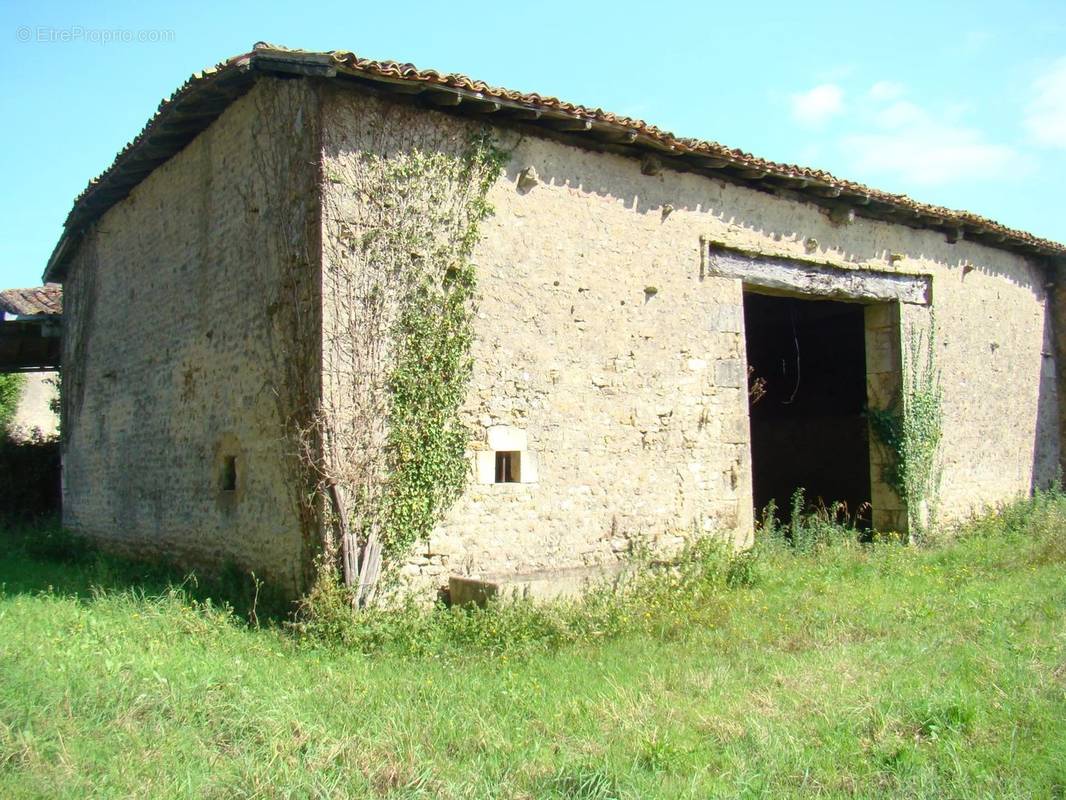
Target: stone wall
{"x": 883, "y": 386}
{"x": 617, "y": 368}
{"x": 607, "y": 357}
{"x": 34, "y": 415}
{"x": 1058, "y": 374}
{"x": 996, "y": 355}
{"x": 183, "y": 334}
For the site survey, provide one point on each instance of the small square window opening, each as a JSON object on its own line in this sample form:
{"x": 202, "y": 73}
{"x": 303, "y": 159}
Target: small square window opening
{"x": 508, "y": 466}
{"x": 229, "y": 474}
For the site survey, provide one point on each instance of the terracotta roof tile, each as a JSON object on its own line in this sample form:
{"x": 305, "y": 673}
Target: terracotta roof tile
{"x": 47, "y": 299}
{"x": 205, "y": 95}
{"x": 680, "y": 145}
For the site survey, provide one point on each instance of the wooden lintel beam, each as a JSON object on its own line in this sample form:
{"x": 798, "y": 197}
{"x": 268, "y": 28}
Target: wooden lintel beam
{"x": 808, "y": 277}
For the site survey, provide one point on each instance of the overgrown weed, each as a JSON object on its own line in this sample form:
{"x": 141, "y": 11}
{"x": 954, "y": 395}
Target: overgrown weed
{"x": 812, "y": 530}
{"x": 852, "y": 668}
{"x": 1038, "y": 517}
{"x": 668, "y": 601}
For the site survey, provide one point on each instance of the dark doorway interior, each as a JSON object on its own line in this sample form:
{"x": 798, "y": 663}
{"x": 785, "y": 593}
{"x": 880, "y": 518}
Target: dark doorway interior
{"x": 809, "y": 430}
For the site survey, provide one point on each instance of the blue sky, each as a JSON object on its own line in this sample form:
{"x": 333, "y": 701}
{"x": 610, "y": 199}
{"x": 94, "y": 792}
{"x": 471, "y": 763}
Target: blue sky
{"x": 960, "y": 104}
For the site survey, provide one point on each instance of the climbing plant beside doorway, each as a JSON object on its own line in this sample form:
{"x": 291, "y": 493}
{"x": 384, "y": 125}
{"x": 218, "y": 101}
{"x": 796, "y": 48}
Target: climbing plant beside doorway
{"x": 912, "y": 430}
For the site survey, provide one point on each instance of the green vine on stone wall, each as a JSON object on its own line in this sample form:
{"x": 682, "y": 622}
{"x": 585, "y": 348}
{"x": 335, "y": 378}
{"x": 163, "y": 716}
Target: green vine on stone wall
{"x": 427, "y": 440}
{"x": 399, "y": 292}
{"x": 912, "y": 431}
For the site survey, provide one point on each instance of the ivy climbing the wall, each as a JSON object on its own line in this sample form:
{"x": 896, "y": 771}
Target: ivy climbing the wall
{"x": 399, "y": 293}
{"x": 427, "y": 467}
{"x": 912, "y": 431}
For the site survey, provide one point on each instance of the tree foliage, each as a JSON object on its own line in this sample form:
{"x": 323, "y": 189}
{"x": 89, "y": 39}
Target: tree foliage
{"x": 10, "y": 391}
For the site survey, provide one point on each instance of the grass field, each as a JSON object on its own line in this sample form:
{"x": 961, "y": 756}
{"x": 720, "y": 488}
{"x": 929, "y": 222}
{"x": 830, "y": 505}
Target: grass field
{"x": 841, "y": 671}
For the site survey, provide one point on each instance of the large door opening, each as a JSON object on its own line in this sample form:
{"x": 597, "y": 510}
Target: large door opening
{"x": 809, "y": 430}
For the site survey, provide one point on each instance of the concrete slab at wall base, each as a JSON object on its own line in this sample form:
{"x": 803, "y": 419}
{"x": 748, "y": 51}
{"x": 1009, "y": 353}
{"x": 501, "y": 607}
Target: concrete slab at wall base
{"x": 542, "y": 585}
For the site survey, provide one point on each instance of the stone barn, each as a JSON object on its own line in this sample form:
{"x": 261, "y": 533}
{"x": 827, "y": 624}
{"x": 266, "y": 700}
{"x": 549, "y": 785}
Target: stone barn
{"x": 306, "y": 262}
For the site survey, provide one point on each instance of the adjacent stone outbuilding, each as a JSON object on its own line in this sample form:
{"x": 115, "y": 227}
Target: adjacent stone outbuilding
{"x": 29, "y": 344}
{"x": 627, "y": 283}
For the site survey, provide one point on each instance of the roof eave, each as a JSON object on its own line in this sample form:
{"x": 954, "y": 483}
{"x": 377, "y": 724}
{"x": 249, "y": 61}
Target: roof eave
{"x": 195, "y": 105}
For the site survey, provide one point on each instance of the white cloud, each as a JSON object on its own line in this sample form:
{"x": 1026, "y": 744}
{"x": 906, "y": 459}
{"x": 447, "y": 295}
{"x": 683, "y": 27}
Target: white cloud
{"x": 817, "y": 106}
{"x": 922, "y": 149}
{"x": 929, "y": 159}
{"x": 1045, "y": 117}
{"x": 901, "y": 114}
{"x": 886, "y": 90}
{"x": 892, "y": 138}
